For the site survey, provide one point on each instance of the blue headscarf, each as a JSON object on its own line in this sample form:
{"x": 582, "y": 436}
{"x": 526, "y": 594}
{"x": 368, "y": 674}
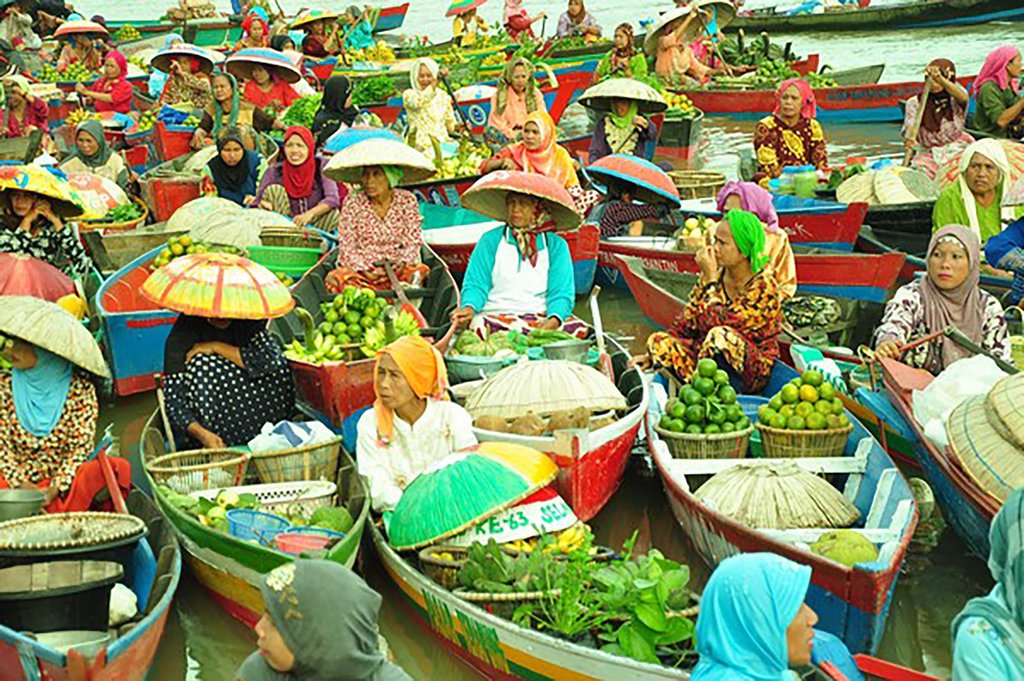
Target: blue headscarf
{"x": 747, "y": 605}
{"x": 1006, "y": 562}
{"x": 40, "y": 392}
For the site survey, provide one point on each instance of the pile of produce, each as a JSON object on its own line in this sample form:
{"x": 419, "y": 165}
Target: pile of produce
{"x": 805, "y": 403}
{"x": 380, "y": 53}
{"x": 679, "y": 106}
{"x": 538, "y": 338}
{"x": 848, "y": 547}
{"x": 303, "y": 110}
{"x": 78, "y": 115}
{"x": 497, "y": 344}
{"x": 840, "y": 175}
{"x": 451, "y": 57}
{"x": 496, "y": 59}
{"x": 74, "y": 73}
{"x": 191, "y": 121}
{"x": 576, "y": 42}
{"x": 571, "y": 539}
{"x": 127, "y": 32}
{"x": 706, "y": 405}
{"x": 466, "y": 162}
{"x": 146, "y": 120}
{"x": 373, "y": 90}
{"x": 178, "y": 246}
{"x": 140, "y": 62}
{"x": 693, "y": 233}
{"x": 124, "y": 213}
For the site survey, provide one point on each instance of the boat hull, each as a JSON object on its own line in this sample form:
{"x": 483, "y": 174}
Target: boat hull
{"x": 928, "y": 14}
{"x": 679, "y": 139}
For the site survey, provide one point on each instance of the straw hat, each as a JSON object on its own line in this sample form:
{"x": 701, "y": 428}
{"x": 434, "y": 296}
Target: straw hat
{"x": 309, "y": 16}
{"x": 79, "y": 27}
{"x": 726, "y": 12}
{"x": 51, "y": 327}
{"x": 487, "y": 196}
{"x": 23, "y": 275}
{"x": 984, "y": 448}
{"x": 162, "y": 59}
{"x": 599, "y": 97}
{"x": 1006, "y": 400}
{"x": 241, "y": 63}
{"x": 649, "y": 183}
{"x": 347, "y": 165}
{"x": 346, "y": 137}
{"x": 46, "y": 181}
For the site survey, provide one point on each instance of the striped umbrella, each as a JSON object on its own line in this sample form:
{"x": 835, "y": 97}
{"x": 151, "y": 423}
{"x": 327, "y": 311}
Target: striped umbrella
{"x": 346, "y": 137}
{"x": 23, "y": 275}
{"x": 241, "y": 63}
{"x": 161, "y": 61}
{"x": 218, "y": 286}
{"x": 648, "y": 183}
{"x": 462, "y": 6}
{"x": 46, "y": 181}
{"x": 311, "y": 15}
{"x": 459, "y": 491}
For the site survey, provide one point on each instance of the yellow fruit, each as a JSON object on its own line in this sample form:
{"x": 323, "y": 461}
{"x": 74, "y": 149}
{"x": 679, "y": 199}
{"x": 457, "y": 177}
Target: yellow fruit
{"x": 177, "y": 249}
{"x": 73, "y": 304}
{"x": 808, "y": 393}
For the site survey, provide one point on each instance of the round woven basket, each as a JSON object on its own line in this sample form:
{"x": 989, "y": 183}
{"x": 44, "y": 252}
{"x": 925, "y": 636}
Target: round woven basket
{"x": 289, "y": 237}
{"x": 791, "y": 444}
{"x": 199, "y": 469}
{"x": 443, "y": 571}
{"x": 96, "y": 225}
{"x": 984, "y": 449}
{"x": 503, "y": 605}
{"x": 697, "y": 184}
{"x": 317, "y": 461}
{"x": 721, "y": 446}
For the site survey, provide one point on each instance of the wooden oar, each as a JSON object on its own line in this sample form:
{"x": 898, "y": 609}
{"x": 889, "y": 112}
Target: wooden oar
{"x": 604, "y": 361}
{"x": 477, "y": 139}
{"x": 403, "y": 300}
{"x": 915, "y": 128}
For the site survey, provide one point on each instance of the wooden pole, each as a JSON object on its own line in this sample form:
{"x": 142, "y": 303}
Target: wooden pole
{"x": 915, "y": 128}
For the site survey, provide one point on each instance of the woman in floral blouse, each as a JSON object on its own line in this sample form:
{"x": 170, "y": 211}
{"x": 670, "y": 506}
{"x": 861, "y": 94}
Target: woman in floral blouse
{"x": 948, "y": 296}
{"x": 734, "y": 318}
{"x": 428, "y": 109}
{"x": 31, "y": 223}
{"x": 790, "y": 136}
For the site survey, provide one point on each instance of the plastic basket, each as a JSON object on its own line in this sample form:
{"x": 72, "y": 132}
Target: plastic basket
{"x": 290, "y": 237}
{"x": 785, "y": 444}
{"x": 300, "y": 539}
{"x": 88, "y": 225}
{"x": 305, "y": 496}
{"x": 285, "y": 259}
{"x": 199, "y": 469}
{"x": 716, "y": 446}
{"x": 247, "y": 524}
{"x": 317, "y": 461}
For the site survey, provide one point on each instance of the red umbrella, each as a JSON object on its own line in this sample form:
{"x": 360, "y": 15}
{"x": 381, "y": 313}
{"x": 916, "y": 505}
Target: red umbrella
{"x": 23, "y": 275}
{"x": 649, "y": 183}
{"x": 487, "y": 196}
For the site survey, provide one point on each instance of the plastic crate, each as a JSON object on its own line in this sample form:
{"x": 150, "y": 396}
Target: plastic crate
{"x": 166, "y": 196}
{"x": 294, "y": 262}
{"x": 172, "y": 141}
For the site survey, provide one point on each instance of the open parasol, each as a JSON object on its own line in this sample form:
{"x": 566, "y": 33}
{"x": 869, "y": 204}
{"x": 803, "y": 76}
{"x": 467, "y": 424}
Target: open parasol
{"x": 949, "y": 171}
{"x": 49, "y": 326}
{"x": 346, "y": 137}
{"x": 241, "y": 63}
{"x": 544, "y": 510}
{"x": 647, "y": 182}
{"x": 599, "y": 97}
{"x": 23, "y": 275}
{"x": 462, "y": 6}
{"x": 461, "y": 490}
{"x": 79, "y": 27}
{"x": 45, "y": 181}
{"x": 487, "y": 196}
{"x": 311, "y": 15}
{"x": 98, "y": 194}
{"x": 218, "y": 286}
{"x": 162, "y": 59}
{"x": 347, "y": 165}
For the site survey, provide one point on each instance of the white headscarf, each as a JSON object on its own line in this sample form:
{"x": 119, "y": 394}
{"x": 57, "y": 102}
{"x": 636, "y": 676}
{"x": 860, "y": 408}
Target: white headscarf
{"x": 414, "y": 75}
{"x": 993, "y": 151}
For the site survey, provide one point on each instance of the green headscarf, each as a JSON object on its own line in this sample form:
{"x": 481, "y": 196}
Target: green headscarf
{"x": 394, "y": 175}
{"x": 94, "y": 129}
{"x": 748, "y": 233}
{"x": 219, "y": 112}
{"x": 624, "y": 122}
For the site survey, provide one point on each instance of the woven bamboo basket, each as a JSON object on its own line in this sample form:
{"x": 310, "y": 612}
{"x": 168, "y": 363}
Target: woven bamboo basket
{"x": 1006, "y": 402}
{"x": 716, "y": 446}
{"x": 313, "y": 462}
{"x": 980, "y": 443}
{"x": 199, "y": 469}
{"x": 503, "y": 605}
{"x": 96, "y": 225}
{"x": 788, "y": 444}
{"x": 697, "y": 184}
{"x": 443, "y": 571}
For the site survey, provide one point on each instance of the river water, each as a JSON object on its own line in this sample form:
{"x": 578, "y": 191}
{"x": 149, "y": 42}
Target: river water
{"x": 204, "y": 643}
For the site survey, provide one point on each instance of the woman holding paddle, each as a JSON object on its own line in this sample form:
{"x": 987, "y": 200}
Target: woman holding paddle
{"x": 943, "y": 114}
{"x": 429, "y": 110}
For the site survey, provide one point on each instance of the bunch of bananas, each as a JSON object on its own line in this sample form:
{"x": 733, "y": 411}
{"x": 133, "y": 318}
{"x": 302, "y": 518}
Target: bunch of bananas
{"x": 567, "y": 541}
{"x": 127, "y": 32}
{"x": 147, "y": 119}
{"x": 79, "y": 115}
{"x": 679, "y": 106}
{"x": 380, "y": 53}
{"x": 452, "y": 56}
{"x": 496, "y": 59}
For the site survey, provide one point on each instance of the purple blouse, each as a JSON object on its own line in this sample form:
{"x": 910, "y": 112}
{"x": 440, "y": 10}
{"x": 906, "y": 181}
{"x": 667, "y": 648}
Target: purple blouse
{"x": 325, "y": 190}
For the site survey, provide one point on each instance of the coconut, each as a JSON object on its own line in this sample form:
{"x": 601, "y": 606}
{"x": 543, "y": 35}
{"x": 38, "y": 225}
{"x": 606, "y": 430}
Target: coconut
{"x": 492, "y": 423}
{"x": 560, "y": 420}
{"x": 848, "y": 547}
{"x": 529, "y": 424}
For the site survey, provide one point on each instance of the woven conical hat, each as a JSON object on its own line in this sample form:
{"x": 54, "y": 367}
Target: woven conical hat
{"x": 51, "y": 327}
{"x": 1006, "y": 401}
{"x": 982, "y": 446}
{"x": 347, "y": 165}
{"x": 600, "y": 96}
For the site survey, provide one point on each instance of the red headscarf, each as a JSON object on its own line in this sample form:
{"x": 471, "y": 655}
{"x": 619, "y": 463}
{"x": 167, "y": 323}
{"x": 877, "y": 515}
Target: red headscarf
{"x": 247, "y": 25}
{"x": 809, "y": 109}
{"x": 122, "y": 65}
{"x": 994, "y": 69}
{"x": 298, "y": 179}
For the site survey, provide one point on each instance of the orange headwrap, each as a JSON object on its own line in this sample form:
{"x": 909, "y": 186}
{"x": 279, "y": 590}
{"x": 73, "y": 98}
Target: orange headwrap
{"x": 550, "y": 159}
{"x": 422, "y": 366}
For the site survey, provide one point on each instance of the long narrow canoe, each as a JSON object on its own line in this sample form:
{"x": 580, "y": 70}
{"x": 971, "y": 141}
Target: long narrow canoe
{"x": 230, "y": 569}
{"x": 153, "y": 575}
{"x": 965, "y": 505}
{"x": 110, "y": 252}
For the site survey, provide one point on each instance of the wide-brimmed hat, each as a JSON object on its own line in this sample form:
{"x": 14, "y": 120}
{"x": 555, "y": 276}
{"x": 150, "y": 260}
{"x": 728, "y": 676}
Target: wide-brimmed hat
{"x": 311, "y": 15}
{"x": 241, "y": 63}
{"x": 725, "y": 12}
{"x": 80, "y": 27}
{"x": 51, "y": 327}
{"x": 600, "y": 96}
{"x": 46, "y": 181}
{"x": 23, "y": 275}
{"x": 487, "y": 196}
{"x": 162, "y": 59}
{"x": 462, "y": 6}
{"x": 347, "y": 165}
{"x": 648, "y": 182}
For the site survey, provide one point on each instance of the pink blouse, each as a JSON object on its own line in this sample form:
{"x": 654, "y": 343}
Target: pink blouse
{"x": 365, "y": 239}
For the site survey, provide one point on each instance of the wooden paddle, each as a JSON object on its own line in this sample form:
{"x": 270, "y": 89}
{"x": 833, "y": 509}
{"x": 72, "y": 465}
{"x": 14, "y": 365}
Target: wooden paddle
{"x": 477, "y": 139}
{"x": 402, "y": 299}
{"x": 915, "y": 128}
{"x": 604, "y": 360}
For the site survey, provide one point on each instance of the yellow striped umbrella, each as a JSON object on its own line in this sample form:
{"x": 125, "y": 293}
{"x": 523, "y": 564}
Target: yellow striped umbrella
{"x": 218, "y": 286}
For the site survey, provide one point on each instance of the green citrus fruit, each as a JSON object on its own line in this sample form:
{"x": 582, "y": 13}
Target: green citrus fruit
{"x": 716, "y": 416}
{"x": 776, "y": 402}
{"x": 733, "y": 413}
{"x": 728, "y": 427}
{"x": 833, "y": 421}
{"x": 787, "y": 411}
{"x": 355, "y": 330}
{"x": 325, "y": 328}
{"x": 816, "y": 421}
{"x": 712, "y": 429}
{"x": 764, "y": 412}
{"x": 694, "y": 413}
{"x": 704, "y": 386}
{"x": 837, "y": 407}
{"x": 795, "y": 423}
{"x": 812, "y": 377}
{"x": 721, "y": 378}
{"x": 827, "y": 392}
{"x": 676, "y": 426}
{"x": 678, "y": 410}
{"x": 331, "y": 316}
{"x": 823, "y": 407}
{"x": 352, "y": 317}
{"x": 778, "y": 421}
{"x": 706, "y": 368}
{"x": 663, "y": 423}
{"x": 808, "y": 393}
{"x": 843, "y": 421}
{"x": 743, "y": 423}
{"x": 790, "y": 394}
{"x": 694, "y": 429}
{"x": 340, "y": 328}
{"x": 727, "y": 395}
{"x": 803, "y": 409}
{"x": 691, "y": 396}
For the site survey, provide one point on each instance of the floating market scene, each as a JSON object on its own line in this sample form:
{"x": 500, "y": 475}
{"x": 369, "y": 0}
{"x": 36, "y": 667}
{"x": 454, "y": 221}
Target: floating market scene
{"x": 512, "y": 339}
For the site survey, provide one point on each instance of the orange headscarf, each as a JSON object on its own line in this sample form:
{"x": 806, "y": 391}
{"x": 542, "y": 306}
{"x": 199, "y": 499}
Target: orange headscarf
{"x": 550, "y": 159}
{"x": 422, "y": 366}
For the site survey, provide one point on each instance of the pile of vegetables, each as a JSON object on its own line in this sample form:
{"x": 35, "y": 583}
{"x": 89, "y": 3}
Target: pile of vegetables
{"x": 706, "y": 405}
{"x": 74, "y": 73}
{"x": 679, "y": 106}
{"x": 466, "y": 162}
{"x": 127, "y": 32}
{"x": 373, "y": 90}
{"x": 303, "y": 110}
{"x": 146, "y": 120}
{"x": 538, "y": 338}
{"x": 576, "y": 42}
{"x": 472, "y": 345}
{"x": 380, "y": 52}
{"x": 124, "y": 213}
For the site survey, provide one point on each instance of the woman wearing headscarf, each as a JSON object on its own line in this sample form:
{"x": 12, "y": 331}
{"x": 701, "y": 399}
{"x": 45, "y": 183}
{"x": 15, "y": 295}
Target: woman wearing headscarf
{"x": 360, "y": 31}
{"x": 757, "y": 200}
{"x": 949, "y": 295}
{"x": 975, "y": 198}
{"x": 336, "y": 110}
{"x": 988, "y": 634}
{"x": 255, "y": 32}
{"x": 734, "y": 314}
{"x": 466, "y": 26}
{"x": 80, "y": 49}
{"x": 676, "y": 66}
{"x": 624, "y": 60}
{"x": 791, "y": 136}
{"x": 31, "y": 223}
{"x": 25, "y": 112}
{"x": 412, "y": 424}
{"x": 92, "y": 154}
{"x": 188, "y": 82}
{"x": 233, "y": 172}
{"x": 941, "y": 135}
{"x": 318, "y": 43}
{"x": 112, "y": 92}
{"x": 267, "y": 90}
{"x": 157, "y": 79}
{"x": 754, "y": 624}
{"x": 517, "y": 96}
{"x": 296, "y": 186}
{"x": 428, "y": 109}
{"x": 17, "y": 24}
{"x": 49, "y": 410}
{"x": 378, "y": 222}
{"x": 206, "y": 360}
{"x": 320, "y": 623}
{"x": 517, "y": 20}
{"x": 228, "y": 110}
{"x": 624, "y": 131}
{"x": 577, "y": 22}
{"x": 1000, "y": 108}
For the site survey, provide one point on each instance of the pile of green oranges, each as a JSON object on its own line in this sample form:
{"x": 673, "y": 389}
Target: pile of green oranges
{"x": 707, "y": 405}
{"x": 805, "y": 403}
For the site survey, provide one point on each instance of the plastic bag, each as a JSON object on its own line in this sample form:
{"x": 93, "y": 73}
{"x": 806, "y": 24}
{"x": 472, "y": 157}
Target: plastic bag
{"x": 962, "y": 379}
{"x": 289, "y": 435}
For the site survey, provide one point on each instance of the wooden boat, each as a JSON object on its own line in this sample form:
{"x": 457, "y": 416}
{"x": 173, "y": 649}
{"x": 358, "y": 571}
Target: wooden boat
{"x": 110, "y": 252}
{"x": 865, "y": 75}
{"x": 851, "y": 603}
{"x": 21, "y": 149}
{"x": 965, "y": 505}
{"x": 337, "y": 393}
{"x": 679, "y": 138}
{"x": 453, "y": 232}
{"x": 852, "y": 17}
{"x": 153, "y": 575}
{"x": 230, "y": 569}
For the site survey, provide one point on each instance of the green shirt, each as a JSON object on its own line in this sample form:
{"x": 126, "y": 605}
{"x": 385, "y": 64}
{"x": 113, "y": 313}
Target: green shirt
{"x": 991, "y": 103}
{"x": 637, "y": 64}
{"x": 950, "y": 210}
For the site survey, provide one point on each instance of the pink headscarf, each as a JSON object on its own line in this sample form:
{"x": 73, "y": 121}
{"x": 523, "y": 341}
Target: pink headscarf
{"x": 753, "y": 199}
{"x": 994, "y": 69}
{"x": 810, "y": 106}
{"x": 513, "y": 8}
{"x": 121, "y": 62}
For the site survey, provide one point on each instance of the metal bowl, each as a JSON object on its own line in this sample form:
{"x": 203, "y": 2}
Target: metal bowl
{"x": 571, "y": 350}
{"x": 469, "y": 368}
{"x": 20, "y": 503}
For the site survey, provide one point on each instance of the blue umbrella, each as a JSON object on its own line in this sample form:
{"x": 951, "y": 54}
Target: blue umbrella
{"x": 346, "y": 137}
{"x": 649, "y": 183}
